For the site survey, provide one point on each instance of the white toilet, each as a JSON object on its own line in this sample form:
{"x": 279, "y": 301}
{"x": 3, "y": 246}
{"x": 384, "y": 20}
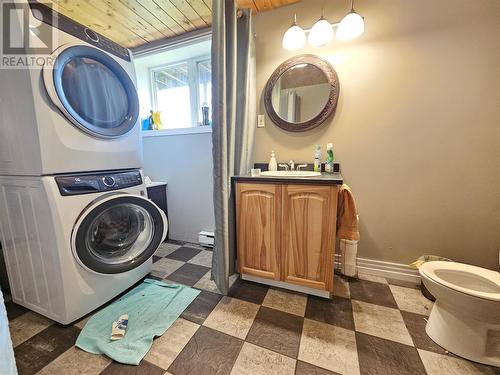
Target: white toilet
{"x": 465, "y": 318}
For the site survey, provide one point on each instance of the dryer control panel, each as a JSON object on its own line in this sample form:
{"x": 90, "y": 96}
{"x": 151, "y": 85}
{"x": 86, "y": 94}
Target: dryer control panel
{"x": 95, "y": 183}
{"x": 49, "y": 16}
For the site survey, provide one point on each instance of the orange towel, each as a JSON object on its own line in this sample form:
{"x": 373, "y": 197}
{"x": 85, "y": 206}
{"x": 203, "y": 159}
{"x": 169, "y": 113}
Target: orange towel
{"x": 347, "y": 215}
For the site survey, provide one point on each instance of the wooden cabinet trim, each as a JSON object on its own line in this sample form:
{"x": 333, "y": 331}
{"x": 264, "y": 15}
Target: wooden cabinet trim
{"x": 259, "y": 273}
{"x": 305, "y": 282}
{"x": 272, "y": 192}
{"x": 331, "y": 260}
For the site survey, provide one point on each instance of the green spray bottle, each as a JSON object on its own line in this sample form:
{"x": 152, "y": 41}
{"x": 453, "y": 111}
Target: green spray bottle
{"x": 329, "y": 158}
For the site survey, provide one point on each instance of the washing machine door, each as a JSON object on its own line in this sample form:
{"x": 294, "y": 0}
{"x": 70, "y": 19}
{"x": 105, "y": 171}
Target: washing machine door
{"x": 118, "y": 233}
{"x": 92, "y": 90}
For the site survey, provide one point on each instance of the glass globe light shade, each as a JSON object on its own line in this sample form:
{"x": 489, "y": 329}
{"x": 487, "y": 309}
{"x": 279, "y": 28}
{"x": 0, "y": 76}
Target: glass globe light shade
{"x": 351, "y": 26}
{"x": 321, "y": 33}
{"x": 294, "y": 38}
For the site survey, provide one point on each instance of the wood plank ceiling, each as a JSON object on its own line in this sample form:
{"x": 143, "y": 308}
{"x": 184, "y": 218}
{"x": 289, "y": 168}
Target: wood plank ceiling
{"x": 133, "y": 23}
{"x": 264, "y": 5}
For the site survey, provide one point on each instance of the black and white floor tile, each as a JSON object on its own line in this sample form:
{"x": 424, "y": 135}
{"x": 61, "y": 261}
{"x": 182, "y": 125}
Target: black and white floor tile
{"x": 371, "y": 326}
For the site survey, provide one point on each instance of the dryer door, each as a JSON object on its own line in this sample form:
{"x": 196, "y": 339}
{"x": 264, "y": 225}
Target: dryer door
{"x": 92, "y": 90}
{"x": 118, "y": 233}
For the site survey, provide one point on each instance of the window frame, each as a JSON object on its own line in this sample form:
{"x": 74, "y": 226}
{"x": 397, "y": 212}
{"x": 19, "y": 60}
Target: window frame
{"x": 194, "y": 95}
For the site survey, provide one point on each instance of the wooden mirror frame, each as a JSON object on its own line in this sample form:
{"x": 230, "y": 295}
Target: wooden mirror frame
{"x": 326, "y": 112}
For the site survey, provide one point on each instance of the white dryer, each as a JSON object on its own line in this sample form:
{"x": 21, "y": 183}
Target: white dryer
{"x": 76, "y": 113}
{"x": 73, "y": 242}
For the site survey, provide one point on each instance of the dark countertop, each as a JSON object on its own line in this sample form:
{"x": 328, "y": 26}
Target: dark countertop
{"x": 324, "y": 179}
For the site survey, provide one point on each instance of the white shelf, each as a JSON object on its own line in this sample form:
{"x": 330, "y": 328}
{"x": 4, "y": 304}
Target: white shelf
{"x": 172, "y": 132}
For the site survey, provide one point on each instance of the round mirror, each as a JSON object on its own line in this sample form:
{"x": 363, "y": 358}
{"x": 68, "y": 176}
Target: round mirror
{"x": 302, "y": 93}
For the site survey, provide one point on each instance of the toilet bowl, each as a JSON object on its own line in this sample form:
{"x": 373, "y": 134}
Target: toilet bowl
{"x": 465, "y": 318}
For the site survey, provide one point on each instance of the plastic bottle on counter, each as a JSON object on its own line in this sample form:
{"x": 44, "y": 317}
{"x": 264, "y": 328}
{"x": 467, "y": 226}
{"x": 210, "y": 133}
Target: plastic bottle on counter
{"x": 317, "y": 158}
{"x": 329, "y": 158}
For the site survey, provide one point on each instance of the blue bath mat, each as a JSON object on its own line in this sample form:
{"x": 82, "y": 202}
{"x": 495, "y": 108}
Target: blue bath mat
{"x": 152, "y": 307}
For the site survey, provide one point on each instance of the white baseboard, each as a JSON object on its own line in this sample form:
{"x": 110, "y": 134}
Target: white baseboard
{"x": 381, "y": 268}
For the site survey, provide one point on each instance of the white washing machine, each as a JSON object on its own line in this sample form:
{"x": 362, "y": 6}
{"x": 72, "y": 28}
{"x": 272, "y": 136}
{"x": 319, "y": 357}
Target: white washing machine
{"x": 76, "y": 113}
{"x": 73, "y": 242}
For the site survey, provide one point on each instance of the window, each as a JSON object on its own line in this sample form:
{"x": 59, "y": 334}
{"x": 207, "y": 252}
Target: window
{"x": 182, "y": 92}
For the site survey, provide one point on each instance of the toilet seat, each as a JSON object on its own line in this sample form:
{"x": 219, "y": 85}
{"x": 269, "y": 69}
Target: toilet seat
{"x": 475, "y": 281}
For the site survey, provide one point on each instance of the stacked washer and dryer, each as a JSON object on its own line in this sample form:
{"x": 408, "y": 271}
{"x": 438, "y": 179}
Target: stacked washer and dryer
{"x": 76, "y": 226}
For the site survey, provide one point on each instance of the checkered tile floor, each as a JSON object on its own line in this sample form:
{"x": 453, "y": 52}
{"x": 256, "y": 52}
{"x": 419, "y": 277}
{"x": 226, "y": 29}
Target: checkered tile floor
{"x": 371, "y": 326}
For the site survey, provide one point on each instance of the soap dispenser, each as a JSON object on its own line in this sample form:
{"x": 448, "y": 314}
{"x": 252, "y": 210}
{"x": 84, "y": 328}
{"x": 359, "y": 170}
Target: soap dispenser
{"x": 273, "y": 165}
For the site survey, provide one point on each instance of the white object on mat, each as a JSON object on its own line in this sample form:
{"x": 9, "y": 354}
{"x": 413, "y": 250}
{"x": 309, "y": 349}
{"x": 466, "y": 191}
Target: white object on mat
{"x": 349, "y": 251}
{"x": 119, "y": 328}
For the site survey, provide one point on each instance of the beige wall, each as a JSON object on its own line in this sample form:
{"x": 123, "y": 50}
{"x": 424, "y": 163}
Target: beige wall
{"x": 417, "y": 129}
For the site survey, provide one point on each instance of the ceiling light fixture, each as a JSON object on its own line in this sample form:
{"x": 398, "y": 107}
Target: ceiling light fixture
{"x": 321, "y": 33}
{"x": 351, "y": 26}
{"x": 295, "y": 37}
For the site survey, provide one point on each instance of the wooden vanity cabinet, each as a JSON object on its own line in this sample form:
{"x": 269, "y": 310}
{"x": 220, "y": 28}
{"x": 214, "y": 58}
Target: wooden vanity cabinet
{"x": 286, "y": 232}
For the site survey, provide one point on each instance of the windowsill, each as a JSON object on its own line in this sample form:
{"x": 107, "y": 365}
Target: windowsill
{"x": 172, "y": 132}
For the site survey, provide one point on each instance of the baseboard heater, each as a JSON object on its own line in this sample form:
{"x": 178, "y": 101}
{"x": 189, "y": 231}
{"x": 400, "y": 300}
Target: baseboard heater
{"x": 206, "y": 238}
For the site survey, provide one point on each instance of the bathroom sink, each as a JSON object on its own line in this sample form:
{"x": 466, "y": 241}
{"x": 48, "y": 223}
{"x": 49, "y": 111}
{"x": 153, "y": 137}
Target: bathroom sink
{"x": 290, "y": 173}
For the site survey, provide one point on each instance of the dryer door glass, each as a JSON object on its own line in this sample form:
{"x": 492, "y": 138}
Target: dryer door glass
{"x": 119, "y": 235}
{"x": 96, "y": 93}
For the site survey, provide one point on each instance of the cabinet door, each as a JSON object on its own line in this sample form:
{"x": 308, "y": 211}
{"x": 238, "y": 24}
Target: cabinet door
{"x": 258, "y": 222}
{"x": 309, "y": 221}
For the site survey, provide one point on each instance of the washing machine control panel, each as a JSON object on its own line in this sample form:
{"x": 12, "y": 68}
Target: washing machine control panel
{"x": 95, "y": 183}
{"x": 109, "y": 181}
{"x": 49, "y": 16}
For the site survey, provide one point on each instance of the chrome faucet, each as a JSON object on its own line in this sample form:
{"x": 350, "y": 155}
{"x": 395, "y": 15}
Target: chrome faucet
{"x": 291, "y": 166}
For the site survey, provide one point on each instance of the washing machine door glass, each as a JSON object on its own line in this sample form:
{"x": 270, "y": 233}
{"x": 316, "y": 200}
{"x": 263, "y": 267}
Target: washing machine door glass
{"x": 95, "y": 92}
{"x": 119, "y": 234}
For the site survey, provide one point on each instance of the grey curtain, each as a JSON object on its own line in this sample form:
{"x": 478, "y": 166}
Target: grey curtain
{"x": 234, "y": 121}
